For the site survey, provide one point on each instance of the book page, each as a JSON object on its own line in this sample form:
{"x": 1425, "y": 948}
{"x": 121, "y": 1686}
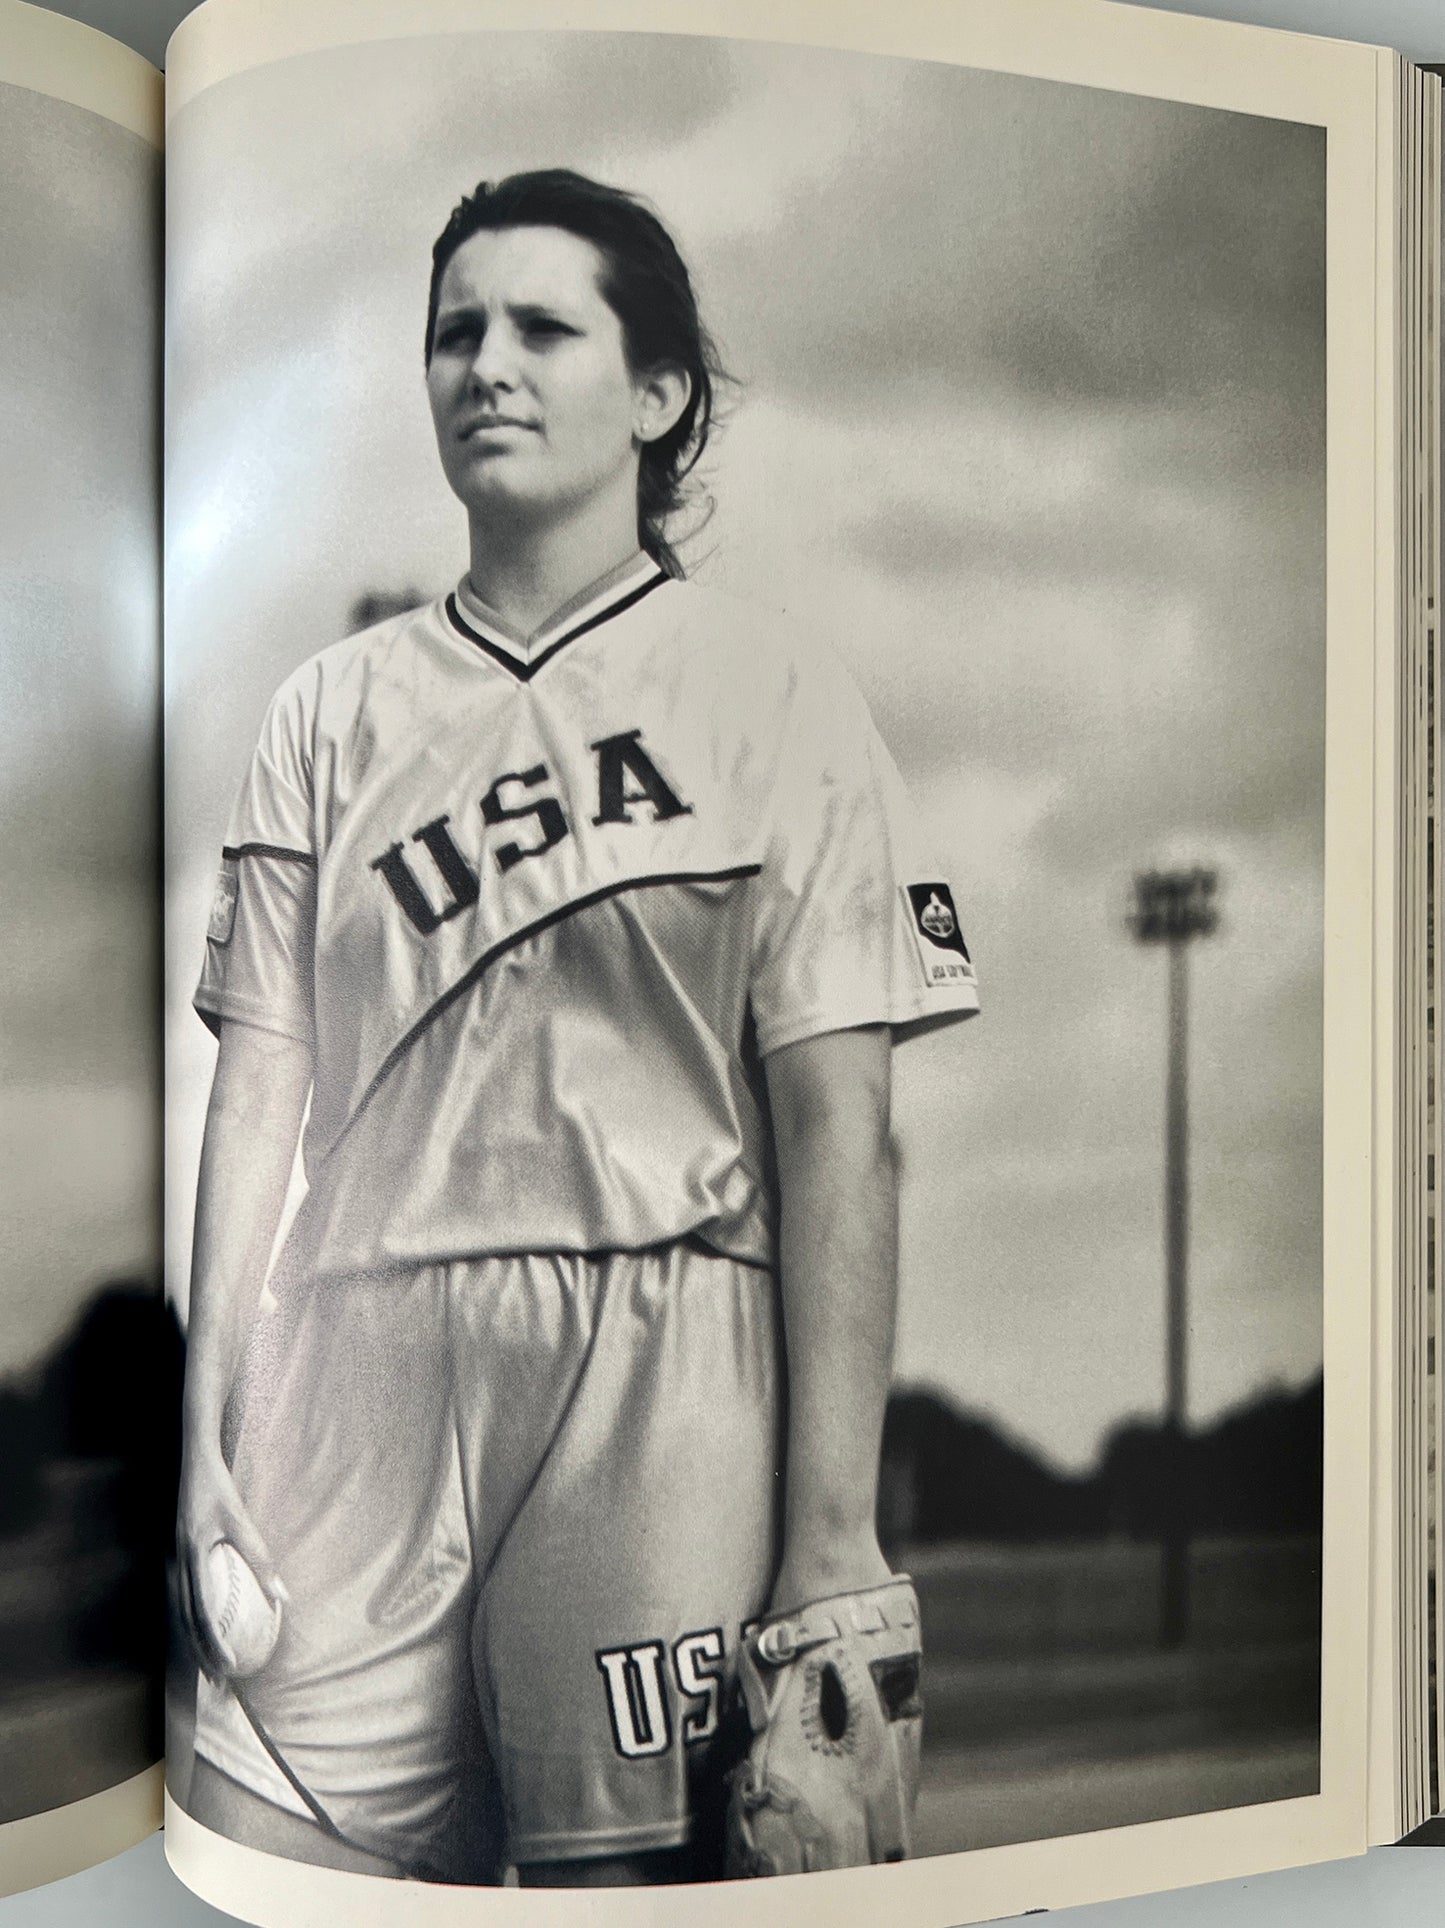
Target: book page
{"x": 1031, "y": 363}
{"x": 86, "y": 1403}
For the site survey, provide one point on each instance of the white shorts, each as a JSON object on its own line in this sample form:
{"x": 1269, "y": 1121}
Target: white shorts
{"x": 522, "y": 1507}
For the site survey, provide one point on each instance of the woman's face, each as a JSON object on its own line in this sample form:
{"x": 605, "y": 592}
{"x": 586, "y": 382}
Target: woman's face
{"x": 537, "y": 415}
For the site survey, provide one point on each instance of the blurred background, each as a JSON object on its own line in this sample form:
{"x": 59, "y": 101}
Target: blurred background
{"x": 87, "y": 1350}
{"x": 1029, "y": 424}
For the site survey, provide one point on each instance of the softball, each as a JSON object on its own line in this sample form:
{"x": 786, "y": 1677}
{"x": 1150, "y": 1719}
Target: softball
{"x": 243, "y": 1620}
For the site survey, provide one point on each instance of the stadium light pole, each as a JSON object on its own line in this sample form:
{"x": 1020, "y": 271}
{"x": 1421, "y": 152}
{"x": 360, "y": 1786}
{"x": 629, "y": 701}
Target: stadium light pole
{"x": 1171, "y": 907}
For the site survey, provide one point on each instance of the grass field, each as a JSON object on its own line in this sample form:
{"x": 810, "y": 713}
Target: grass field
{"x": 1051, "y": 1709}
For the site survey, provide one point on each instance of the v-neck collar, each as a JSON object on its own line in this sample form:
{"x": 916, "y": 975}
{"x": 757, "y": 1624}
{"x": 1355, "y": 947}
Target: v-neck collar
{"x": 523, "y": 656}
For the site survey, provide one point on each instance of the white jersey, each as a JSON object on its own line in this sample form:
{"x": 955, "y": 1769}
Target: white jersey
{"x": 542, "y": 908}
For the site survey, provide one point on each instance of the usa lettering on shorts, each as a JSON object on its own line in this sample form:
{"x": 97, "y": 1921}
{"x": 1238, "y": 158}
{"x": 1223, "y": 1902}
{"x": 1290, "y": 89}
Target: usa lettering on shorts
{"x": 635, "y": 1683}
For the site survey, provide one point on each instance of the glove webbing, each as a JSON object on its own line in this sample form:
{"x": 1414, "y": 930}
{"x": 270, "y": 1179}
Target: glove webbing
{"x": 780, "y": 1642}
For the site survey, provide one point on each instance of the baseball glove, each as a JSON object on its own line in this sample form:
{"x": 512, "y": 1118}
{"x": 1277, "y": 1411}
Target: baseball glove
{"x": 832, "y": 1696}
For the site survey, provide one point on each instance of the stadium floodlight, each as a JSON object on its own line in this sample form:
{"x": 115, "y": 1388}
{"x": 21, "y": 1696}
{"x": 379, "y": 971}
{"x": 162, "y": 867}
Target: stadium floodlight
{"x": 1171, "y": 907}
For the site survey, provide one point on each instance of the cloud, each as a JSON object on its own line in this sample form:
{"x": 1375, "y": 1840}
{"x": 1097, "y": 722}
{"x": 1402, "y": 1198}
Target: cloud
{"x": 1019, "y": 238}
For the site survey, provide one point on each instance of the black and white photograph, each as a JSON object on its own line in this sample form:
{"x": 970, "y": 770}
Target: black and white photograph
{"x": 84, "y": 1428}
{"x": 745, "y": 847}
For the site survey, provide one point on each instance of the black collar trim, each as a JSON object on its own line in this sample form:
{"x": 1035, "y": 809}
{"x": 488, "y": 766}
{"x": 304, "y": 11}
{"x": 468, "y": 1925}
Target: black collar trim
{"x": 234, "y": 852}
{"x": 523, "y": 668}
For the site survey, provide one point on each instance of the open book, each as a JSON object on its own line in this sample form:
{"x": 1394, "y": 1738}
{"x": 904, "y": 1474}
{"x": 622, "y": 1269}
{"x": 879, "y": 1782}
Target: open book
{"x": 864, "y": 495}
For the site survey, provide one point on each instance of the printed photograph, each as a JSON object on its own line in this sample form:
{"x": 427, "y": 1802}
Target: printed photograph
{"x": 86, "y": 1425}
{"x": 694, "y": 568}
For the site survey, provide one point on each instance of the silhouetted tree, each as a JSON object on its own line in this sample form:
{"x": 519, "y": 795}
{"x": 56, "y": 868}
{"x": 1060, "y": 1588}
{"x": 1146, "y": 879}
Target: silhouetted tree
{"x": 947, "y": 1475}
{"x": 950, "y": 1475}
{"x": 112, "y": 1393}
{"x": 22, "y": 1462}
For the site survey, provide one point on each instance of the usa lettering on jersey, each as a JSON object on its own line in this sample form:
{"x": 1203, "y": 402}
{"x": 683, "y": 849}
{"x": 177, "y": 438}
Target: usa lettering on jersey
{"x": 627, "y": 777}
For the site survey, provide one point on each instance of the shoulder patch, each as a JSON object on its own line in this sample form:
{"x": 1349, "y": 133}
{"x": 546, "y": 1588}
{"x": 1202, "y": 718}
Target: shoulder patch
{"x": 934, "y": 923}
{"x": 223, "y": 904}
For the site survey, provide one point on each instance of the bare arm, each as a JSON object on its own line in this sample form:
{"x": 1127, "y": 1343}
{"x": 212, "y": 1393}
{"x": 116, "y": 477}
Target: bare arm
{"x": 257, "y": 1101}
{"x": 839, "y": 1257}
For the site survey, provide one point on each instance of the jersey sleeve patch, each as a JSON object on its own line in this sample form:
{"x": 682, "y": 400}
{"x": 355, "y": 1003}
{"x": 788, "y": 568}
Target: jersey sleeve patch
{"x": 937, "y": 934}
{"x": 223, "y": 904}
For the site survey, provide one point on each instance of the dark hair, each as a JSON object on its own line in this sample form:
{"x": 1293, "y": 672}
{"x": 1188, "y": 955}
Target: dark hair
{"x": 646, "y": 284}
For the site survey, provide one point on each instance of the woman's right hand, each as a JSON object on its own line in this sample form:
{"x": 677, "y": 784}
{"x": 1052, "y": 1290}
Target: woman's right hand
{"x": 211, "y": 1510}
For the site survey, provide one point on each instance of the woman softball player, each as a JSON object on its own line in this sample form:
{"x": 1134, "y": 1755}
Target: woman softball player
{"x": 575, "y": 915}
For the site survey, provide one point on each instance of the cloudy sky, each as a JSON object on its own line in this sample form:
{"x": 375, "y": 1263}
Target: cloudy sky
{"x": 1030, "y": 425}
{"x": 79, "y": 313}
